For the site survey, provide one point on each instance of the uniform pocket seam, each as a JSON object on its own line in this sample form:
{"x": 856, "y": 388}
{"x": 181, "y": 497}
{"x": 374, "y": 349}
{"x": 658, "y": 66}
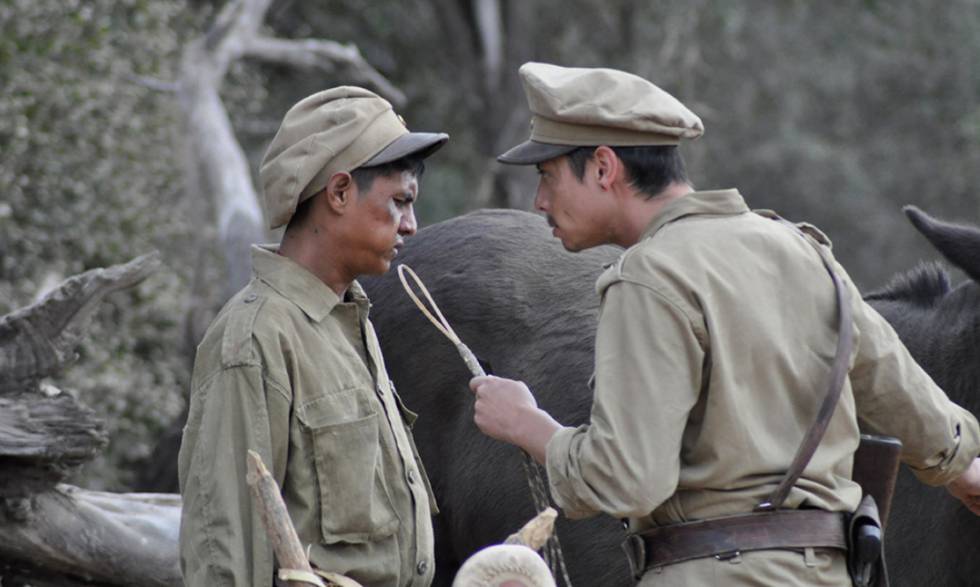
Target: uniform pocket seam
{"x": 352, "y": 509}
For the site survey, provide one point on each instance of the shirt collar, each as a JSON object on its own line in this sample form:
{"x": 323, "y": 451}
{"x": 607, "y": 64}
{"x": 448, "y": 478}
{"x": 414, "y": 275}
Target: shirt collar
{"x": 717, "y": 202}
{"x": 293, "y": 282}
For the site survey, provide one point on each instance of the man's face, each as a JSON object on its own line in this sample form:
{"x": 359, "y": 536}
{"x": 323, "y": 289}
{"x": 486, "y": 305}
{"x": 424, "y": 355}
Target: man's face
{"x": 577, "y": 210}
{"x": 379, "y": 221}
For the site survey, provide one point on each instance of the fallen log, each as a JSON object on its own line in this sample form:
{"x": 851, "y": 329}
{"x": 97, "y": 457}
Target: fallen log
{"x": 94, "y": 537}
{"x": 56, "y": 534}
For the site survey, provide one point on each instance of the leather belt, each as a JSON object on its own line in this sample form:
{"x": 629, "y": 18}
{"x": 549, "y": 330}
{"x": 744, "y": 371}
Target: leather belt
{"x": 728, "y": 536}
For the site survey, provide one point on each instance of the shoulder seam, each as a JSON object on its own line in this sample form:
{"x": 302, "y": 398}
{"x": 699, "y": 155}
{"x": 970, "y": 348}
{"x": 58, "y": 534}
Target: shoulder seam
{"x": 209, "y": 379}
{"x": 236, "y": 341}
{"x": 670, "y": 300}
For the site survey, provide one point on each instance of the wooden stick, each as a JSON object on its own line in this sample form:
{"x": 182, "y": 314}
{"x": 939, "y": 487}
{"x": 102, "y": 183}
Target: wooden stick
{"x": 536, "y": 532}
{"x": 285, "y": 543}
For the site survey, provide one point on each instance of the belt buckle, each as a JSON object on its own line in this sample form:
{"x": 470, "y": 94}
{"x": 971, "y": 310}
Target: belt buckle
{"x": 636, "y": 554}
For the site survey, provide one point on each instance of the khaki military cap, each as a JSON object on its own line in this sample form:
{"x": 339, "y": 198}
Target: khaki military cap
{"x": 582, "y": 107}
{"x": 335, "y": 130}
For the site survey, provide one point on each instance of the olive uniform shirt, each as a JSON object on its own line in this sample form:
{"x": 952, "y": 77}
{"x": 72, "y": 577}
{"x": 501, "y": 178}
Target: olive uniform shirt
{"x": 715, "y": 339}
{"x": 291, "y": 371}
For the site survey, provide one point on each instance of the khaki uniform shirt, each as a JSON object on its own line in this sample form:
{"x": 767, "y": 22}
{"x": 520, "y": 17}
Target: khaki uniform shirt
{"x": 291, "y": 371}
{"x": 715, "y": 339}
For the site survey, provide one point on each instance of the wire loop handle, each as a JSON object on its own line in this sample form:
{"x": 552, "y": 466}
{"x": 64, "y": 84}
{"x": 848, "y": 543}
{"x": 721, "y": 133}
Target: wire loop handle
{"x": 438, "y": 320}
{"x": 551, "y": 551}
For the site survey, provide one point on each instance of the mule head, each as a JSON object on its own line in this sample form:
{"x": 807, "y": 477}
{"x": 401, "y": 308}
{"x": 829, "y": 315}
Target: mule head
{"x": 960, "y": 244}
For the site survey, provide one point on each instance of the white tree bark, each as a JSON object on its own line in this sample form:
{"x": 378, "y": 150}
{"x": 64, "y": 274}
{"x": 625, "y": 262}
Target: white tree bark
{"x": 104, "y": 538}
{"x": 490, "y": 28}
{"x": 218, "y": 163}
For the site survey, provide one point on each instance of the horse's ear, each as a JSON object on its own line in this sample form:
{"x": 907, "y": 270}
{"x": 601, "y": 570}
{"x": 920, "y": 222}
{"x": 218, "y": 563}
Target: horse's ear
{"x": 960, "y": 244}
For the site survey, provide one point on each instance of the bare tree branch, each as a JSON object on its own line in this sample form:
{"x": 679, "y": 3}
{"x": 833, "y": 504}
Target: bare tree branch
{"x": 323, "y": 55}
{"x": 40, "y": 339}
{"x": 151, "y": 82}
{"x": 218, "y": 165}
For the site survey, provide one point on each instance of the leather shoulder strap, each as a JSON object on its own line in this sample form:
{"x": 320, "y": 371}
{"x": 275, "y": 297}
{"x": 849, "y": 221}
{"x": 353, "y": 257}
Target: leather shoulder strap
{"x": 835, "y": 382}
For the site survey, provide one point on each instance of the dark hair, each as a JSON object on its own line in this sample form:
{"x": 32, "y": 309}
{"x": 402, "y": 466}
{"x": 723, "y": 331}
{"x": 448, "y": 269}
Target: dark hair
{"x": 650, "y": 168}
{"x": 364, "y": 178}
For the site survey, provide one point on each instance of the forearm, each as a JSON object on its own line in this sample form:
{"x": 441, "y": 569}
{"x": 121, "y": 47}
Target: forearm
{"x": 534, "y": 431}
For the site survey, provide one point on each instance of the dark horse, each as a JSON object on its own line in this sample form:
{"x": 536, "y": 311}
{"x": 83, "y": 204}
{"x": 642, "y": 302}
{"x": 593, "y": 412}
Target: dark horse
{"x": 528, "y": 309}
{"x": 932, "y": 539}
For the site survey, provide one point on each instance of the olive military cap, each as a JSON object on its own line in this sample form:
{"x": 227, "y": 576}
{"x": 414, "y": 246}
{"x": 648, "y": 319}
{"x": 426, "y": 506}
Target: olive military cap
{"x": 575, "y": 107}
{"x": 335, "y": 130}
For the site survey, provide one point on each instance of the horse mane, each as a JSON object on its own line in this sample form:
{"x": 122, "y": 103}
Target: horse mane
{"x": 921, "y": 286}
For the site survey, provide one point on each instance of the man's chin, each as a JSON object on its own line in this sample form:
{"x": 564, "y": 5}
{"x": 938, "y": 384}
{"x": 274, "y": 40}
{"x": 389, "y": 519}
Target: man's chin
{"x": 382, "y": 267}
{"x": 569, "y": 246}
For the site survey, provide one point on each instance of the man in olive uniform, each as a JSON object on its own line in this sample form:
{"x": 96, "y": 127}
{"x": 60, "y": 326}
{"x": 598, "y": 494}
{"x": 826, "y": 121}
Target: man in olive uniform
{"x": 291, "y": 366}
{"x": 716, "y": 331}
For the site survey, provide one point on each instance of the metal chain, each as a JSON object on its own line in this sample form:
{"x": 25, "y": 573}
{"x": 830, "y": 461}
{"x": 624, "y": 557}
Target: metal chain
{"x": 552, "y": 552}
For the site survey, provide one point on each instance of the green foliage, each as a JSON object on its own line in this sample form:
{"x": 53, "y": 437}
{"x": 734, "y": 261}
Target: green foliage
{"x": 89, "y": 178}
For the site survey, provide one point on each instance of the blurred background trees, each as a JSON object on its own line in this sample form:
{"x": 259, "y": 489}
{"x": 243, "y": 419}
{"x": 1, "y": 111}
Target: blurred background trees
{"x": 837, "y": 113}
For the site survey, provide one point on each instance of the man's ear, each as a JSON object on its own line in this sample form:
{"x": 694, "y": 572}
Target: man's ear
{"x": 608, "y": 167}
{"x": 341, "y": 189}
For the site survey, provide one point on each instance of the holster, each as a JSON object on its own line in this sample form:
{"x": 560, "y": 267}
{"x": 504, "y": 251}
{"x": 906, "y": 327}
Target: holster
{"x": 866, "y": 546}
{"x": 876, "y": 470}
{"x": 636, "y": 555}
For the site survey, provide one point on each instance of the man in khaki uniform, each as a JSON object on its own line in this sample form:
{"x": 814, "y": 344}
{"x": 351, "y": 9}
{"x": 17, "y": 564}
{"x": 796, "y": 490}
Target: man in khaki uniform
{"x": 291, "y": 366}
{"x": 716, "y": 332}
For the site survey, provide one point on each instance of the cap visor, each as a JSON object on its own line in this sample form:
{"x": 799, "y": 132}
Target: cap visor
{"x": 422, "y": 144}
{"x": 532, "y": 152}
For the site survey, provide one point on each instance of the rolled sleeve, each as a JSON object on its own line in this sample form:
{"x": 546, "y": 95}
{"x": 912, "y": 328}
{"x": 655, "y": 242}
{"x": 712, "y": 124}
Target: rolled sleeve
{"x": 561, "y": 471}
{"x": 648, "y": 375}
{"x": 222, "y": 540}
{"x": 896, "y": 397}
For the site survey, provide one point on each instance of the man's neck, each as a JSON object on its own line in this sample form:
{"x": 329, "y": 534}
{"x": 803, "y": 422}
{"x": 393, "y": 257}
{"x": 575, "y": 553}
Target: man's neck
{"x": 637, "y": 212}
{"x": 314, "y": 254}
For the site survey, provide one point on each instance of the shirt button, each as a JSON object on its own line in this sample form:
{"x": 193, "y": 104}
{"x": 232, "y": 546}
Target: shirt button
{"x": 422, "y": 567}
{"x": 411, "y": 476}
{"x": 251, "y": 298}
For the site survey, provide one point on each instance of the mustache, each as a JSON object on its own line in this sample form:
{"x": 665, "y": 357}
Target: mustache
{"x": 551, "y": 221}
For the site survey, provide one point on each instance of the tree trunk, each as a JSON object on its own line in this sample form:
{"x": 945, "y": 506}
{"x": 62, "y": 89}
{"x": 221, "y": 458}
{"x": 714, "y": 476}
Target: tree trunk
{"x": 217, "y": 163}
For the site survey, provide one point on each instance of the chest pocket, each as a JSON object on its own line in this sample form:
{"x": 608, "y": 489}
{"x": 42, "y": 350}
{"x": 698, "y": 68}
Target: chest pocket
{"x": 355, "y": 505}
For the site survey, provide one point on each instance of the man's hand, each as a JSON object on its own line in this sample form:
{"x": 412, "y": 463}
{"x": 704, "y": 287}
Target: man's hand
{"x": 506, "y": 410}
{"x": 966, "y": 488}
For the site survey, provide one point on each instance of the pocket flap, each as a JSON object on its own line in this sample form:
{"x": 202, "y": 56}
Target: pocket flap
{"x": 348, "y": 404}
